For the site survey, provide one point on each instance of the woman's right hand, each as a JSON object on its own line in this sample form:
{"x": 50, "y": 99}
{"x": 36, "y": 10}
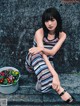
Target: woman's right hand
{"x": 56, "y": 83}
{"x": 35, "y": 50}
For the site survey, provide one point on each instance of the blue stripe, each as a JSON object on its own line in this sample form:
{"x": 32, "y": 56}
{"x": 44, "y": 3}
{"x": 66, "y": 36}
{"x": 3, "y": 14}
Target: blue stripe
{"x": 40, "y": 69}
{"x": 39, "y": 61}
{"x": 47, "y": 83}
{"x": 43, "y": 75}
{"x": 39, "y": 66}
{"x": 46, "y": 80}
{"x": 36, "y": 59}
{"x": 47, "y": 89}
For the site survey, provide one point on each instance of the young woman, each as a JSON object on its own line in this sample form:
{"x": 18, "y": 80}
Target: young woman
{"x": 47, "y": 41}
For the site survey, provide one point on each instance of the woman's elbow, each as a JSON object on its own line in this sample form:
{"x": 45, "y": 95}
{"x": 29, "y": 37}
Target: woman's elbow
{"x": 62, "y": 36}
{"x": 52, "y": 53}
{"x": 65, "y": 36}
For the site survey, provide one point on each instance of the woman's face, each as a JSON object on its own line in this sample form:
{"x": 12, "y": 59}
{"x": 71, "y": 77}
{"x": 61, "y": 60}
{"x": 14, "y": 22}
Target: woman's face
{"x": 51, "y": 24}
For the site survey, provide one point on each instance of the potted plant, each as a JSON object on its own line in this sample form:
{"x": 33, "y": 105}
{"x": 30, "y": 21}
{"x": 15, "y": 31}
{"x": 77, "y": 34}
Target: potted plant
{"x": 9, "y": 78}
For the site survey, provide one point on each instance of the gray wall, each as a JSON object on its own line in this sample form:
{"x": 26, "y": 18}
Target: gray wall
{"x": 19, "y": 19}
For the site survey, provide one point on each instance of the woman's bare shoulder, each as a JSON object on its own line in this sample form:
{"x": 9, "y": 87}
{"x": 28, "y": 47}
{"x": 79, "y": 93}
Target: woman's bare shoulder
{"x": 39, "y": 32}
{"x": 62, "y": 34}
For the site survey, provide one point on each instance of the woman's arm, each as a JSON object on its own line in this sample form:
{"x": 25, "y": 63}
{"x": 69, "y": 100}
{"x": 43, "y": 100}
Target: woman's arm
{"x": 56, "y": 81}
{"x": 58, "y": 45}
{"x": 40, "y": 46}
{"x": 53, "y": 72}
{"x": 39, "y": 40}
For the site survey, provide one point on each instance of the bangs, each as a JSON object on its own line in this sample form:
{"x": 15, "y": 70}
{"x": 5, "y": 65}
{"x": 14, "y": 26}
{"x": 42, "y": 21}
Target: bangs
{"x": 48, "y": 16}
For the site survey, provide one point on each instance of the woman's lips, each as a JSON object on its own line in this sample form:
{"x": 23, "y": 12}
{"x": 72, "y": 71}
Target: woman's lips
{"x": 50, "y": 27}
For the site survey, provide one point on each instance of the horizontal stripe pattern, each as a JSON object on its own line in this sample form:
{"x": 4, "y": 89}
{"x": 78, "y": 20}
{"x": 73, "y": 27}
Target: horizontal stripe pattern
{"x": 47, "y": 43}
{"x": 41, "y": 70}
{"x": 35, "y": 63}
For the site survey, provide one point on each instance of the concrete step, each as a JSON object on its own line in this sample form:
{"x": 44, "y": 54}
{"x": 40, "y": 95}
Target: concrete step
{"x": 26, "y": 95}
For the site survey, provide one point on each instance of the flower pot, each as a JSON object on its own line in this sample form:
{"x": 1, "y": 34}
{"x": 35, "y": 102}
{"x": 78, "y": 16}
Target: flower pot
{"x": 9, "y": 88}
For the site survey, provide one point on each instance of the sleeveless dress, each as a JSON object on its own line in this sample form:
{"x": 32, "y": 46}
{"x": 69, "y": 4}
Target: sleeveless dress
{"x": 35, "y": 63}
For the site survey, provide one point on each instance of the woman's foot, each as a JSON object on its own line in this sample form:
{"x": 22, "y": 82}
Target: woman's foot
{"x": 68, "y": 98}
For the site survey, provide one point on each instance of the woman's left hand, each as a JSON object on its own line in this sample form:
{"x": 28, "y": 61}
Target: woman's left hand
{"x": 56, "y": 83}
{"x": 35, "y": 50}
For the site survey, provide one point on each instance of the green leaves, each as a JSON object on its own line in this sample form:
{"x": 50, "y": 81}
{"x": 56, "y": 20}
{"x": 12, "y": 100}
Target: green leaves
{"x": 9, "y": 77}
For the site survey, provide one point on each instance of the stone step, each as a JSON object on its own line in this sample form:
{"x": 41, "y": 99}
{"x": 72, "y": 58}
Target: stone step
{"x": 26, "y": 95}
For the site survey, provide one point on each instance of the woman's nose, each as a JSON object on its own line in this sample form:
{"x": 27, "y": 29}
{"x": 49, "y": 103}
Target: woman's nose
{"x": 49, "y": 22}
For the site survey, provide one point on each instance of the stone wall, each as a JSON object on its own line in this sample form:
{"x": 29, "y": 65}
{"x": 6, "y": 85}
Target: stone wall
{"x": 19, "y": 19}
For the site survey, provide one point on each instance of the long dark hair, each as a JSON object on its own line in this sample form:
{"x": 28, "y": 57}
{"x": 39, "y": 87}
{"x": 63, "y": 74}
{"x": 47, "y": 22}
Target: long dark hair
{"x": 49, "y": 14}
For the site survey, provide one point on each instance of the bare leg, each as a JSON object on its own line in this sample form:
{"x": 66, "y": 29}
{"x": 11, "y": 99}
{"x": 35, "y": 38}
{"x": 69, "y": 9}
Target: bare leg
{"x": 65, "y": 95}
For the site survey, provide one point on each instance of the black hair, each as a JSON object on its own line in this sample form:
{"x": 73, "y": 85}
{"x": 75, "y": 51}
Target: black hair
{"x": 49, "y": 14}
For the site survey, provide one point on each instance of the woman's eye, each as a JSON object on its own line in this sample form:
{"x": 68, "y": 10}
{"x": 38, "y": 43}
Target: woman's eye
{"x": 53, "y": 20}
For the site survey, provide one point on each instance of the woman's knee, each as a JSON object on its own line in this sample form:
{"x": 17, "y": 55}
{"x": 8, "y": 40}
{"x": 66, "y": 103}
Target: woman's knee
{"x": 36, "y": 55}
{"x": 55, "y": 87}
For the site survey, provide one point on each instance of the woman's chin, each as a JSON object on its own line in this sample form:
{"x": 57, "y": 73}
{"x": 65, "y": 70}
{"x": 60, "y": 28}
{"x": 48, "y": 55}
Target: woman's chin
{"x": 51, "y": 29}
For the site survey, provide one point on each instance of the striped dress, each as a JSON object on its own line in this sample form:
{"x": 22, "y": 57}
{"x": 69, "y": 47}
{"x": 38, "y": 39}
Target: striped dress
{"x": 35, "y": 63}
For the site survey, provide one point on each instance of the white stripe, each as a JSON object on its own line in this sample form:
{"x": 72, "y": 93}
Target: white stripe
{"x": 46, "y": 81}
{"x": 49, "y": 46}
{"x": 50, "y": 84}
{"x": 37, "y": 65}
{"x": 36, "y": 60}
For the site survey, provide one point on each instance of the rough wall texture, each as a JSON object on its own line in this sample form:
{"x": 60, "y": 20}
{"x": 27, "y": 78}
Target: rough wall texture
{"x": 18, "y": 21}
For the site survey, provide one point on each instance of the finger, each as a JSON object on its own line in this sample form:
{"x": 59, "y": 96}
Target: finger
{"x": 29, "y": 50}
{"x": 57, "y": 88}
{"x": 54, "y": 86}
